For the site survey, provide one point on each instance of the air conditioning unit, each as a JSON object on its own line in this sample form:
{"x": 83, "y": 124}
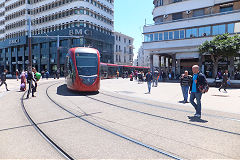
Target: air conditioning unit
{"x": 165, "y": 16}
{"x": 188, "y": 11}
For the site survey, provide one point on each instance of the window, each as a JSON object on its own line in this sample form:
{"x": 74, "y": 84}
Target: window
{"x": 159, "y": 20}
{"x": 204, "y": 31}
{"x": 170, "y": 35}
{"x": 198, "y": 12}
{"x": 155, "y": 36}
{"x": 165, "y": 35}
{"x": 230, "y": 28}
{"x": 182, "y": 34}
{"x": 160, "y": 36}
{"x": 219, "y": 29}
{"x": 190, "y": 33}
{"x": 151, "y": 37}
{"x": 146, "y": 38}
{"x": 237, "y": 28}
{"x": 176, "y": 34}
{"x": 175, "y": 1}
{"x": 226, "y": 9}
{"x": 81, "y": 11}
{"x": 176, "y": 16}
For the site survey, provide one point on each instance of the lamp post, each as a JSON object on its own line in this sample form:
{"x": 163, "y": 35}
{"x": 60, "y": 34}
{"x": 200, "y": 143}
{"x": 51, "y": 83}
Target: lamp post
{"x": 29, "y": 45}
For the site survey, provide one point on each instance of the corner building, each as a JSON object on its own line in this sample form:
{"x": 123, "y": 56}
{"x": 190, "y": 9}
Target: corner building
{"x": 90, "y": 19}
{"x": 182, "y": 25}
{"x": 123, "y": 50}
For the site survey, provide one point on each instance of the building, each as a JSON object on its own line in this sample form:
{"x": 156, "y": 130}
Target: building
{"x": 91, "y": 20}
{"x": 143, "y": 59}
{"x": 182, "y": 25}
{"x": 123, "y": 49}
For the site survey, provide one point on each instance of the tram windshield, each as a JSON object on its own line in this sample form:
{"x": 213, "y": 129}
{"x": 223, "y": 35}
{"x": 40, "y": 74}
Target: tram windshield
{"x": 87, "y": 64}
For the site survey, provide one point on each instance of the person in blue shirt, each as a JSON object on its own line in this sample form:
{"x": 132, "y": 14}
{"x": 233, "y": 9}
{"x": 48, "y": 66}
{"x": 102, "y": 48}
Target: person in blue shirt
{"x": 197, "y": 80}
{"x": 149, "y": 79}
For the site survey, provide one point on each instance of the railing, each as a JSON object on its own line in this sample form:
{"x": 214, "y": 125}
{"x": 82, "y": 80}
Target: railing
{"x": 192, "y": 18}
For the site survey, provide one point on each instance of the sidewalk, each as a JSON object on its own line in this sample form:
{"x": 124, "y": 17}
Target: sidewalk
{"x": 14, "y": 85}
{"x": 170, "y": 93}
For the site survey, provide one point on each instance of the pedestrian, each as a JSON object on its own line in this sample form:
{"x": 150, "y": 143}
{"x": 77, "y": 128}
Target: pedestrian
{"x": 17, "y": 74}
{"x": 117, "y": 74}
{"x": 58, "y": 73}
{"x": 4, "y": 78}
{"x": 198, "y": 82}
{"x": 185, "y": 83}
{"x": 155, "y": 78}
{"x": 42, "y": 73}
{"x": 149, "y": 79}
{"x": 36, "y": 77}
{"x": 30, "y": 78}
{"x": 136, "y": 74}
{"x": 224, "y": 81}
{"x": 47, "y": 74}
{"x": 23, "y": 81}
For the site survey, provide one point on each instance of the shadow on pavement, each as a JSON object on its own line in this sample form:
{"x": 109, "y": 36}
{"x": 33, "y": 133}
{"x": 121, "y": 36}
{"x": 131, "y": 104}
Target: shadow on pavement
{"x": 64, "y": 91}
{"x": 196, "y": 119}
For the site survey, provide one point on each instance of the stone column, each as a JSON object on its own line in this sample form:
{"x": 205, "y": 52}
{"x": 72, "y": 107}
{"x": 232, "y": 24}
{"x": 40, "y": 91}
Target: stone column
{"x": 174, "y": 64}
{"x": 155, "y": 61}
{"x": 178, "y": 67}
{"x": 160, "y": 63}
{"x": 151, "y": 62}
{"x": 10, "y": 59}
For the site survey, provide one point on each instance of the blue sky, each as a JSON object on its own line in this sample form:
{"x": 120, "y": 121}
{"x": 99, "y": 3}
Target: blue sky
{"x": 129, "y": 18}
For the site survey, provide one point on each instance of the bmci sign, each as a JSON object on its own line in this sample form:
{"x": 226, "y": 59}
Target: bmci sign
{"x": 80, "y": 32}
{"x": 14, "y": 41}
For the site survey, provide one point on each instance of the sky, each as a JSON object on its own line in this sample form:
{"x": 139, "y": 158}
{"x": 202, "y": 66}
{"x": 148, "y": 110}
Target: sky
{"x": 129, "y": 19}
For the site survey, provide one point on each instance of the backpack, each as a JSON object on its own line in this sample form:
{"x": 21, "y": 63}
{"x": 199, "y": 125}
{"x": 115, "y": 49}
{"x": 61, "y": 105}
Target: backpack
{"x": 38, "y": 76}
{"x": 203, "y": 88}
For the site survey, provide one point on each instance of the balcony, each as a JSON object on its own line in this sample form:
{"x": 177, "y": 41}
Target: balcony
{"x": 194, "y": 21}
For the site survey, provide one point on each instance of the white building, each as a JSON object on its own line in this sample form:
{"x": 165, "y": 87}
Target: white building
{"x": 91, "y": 19}
{"x": 123, "y": 49}
{"x": 143, "y": 59}
{"x": 182, "y": 25}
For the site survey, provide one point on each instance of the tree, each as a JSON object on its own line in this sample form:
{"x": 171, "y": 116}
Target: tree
{"x": 222, "y": 46}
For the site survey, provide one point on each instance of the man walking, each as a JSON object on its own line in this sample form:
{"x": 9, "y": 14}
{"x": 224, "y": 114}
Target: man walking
{"x": 224, "y": 81}
{"x": 30, "y": 78}
{"x": 149, "y": 79}
{"x": 4, "y": 78}
{"x": 185, "y": 83}
{"x": 198, "y": 80}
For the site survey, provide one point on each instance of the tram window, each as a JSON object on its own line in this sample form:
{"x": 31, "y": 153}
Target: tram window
{"x": 87, "y": 64}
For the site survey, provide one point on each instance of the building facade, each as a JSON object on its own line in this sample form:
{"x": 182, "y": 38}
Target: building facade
{"x": 123, "y": 49}
{"x": 143, "y": 59}
{"x": 91, "y": 20}
{"x": 182, "y": 25}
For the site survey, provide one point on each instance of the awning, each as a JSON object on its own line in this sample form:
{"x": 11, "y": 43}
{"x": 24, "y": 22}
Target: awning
{"x": 187, "y": 55}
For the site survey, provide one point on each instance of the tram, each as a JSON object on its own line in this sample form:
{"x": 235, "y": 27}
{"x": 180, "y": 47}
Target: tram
{"x": 82, "y": 66}
{"x": 110, "y": 70}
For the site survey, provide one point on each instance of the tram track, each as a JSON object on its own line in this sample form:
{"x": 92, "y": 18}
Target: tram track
{"x": 43, "y": 134}
{"x": 173, "y": 109}
{"x": 162, "y": 117}
{"x": 155, "y": 149}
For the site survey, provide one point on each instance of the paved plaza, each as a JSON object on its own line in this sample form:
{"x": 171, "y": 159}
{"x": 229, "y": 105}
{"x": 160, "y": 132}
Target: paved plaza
{"x": 171, "y": 93}
{"x": 119, "y": 122}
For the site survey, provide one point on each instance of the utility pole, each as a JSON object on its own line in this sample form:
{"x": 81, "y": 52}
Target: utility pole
{"x": 29, "y": 45}
{"x": 58, "y": 54}
{"x": 58, "y": 58}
